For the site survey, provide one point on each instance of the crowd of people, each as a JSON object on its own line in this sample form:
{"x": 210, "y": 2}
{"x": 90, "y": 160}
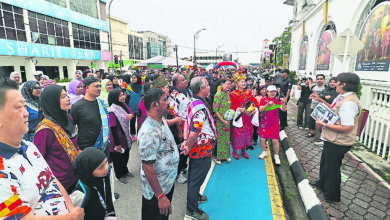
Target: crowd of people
{"x": 181, "y": 122}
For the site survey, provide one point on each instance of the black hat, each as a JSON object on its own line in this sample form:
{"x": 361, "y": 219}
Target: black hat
{"x": 89, "y": 80}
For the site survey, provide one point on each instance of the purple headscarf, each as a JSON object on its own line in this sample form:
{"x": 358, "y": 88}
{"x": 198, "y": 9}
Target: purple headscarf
{"x": 72, "y": 91}
{"x": 73, "y": 86}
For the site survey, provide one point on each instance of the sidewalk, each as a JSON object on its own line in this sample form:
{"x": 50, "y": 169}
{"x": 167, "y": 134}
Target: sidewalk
{"x": 363, "y": 195}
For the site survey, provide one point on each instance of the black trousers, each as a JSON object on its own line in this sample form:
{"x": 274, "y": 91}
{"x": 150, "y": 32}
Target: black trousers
{"x": 330, "y": 174}
{"x": 150, "y": 209}
{"x": 197, "y": 173}
{"x": 255, "y": 135}
{"x": 132, "y": 124}
{"x": 283, "y": 118}
{"x": 120, "y": 163}
{"x": 312, "y": 122}
{"x": 182, "y": 163}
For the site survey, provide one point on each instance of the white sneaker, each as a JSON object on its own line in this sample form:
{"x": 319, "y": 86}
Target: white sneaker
{"x": 263, "y": 155}
{"x": 300, "y": 128}
{"x": 277, "y": 159}
{"x": 229, "y": 160}
{"x": 216, "y": 161}
{"x": 319, "y": 143}
{"x": 181, "y": 178}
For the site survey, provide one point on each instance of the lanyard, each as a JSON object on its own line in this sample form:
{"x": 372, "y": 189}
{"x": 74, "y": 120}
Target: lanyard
{"x": 100, "y": 196}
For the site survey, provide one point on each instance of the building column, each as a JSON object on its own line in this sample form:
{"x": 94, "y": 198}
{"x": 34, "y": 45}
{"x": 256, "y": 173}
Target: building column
{"x": 30, "y": 69}
{"x": 71, "y": 68}
{"x": 61, "y": 71}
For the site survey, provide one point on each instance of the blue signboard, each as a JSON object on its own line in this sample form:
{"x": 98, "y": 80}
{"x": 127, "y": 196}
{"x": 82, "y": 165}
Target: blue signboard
{"x": 47, "y": 8}
{"x": 372, "y": 66}
{"x": 18, "y": 48}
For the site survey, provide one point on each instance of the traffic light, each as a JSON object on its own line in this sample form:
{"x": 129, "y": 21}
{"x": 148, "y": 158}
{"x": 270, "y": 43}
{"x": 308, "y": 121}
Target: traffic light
{"x": 272, "y": 47}
{"x": 116, "y": 61}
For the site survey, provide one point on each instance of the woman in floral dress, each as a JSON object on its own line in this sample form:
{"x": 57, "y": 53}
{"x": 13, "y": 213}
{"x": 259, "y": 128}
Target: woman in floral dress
{"x": 220, "y": 106}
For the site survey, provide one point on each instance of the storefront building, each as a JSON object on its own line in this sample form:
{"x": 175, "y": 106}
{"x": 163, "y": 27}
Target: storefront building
{"x": 56, "y": 37}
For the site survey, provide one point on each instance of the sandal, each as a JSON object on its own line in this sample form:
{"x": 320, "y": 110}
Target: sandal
{"x": 235, "y": 156}
{"x": 310, "y": 135}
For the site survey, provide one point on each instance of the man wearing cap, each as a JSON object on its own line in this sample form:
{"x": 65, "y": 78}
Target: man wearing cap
{"x": 284, "y": 92}
{"x": 91, "y": 117}
{"x": 37, "y": 75}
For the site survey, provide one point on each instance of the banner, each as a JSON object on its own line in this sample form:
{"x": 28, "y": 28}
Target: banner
{"x": 324, "y": 54}
{"x": 302, "y": 56}
{"x": 155, "y": 65}
{"x": 375, "y": 35}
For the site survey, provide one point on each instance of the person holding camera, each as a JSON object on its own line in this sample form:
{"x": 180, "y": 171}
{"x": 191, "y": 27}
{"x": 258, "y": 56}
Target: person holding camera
{"x": 304, "y": 102}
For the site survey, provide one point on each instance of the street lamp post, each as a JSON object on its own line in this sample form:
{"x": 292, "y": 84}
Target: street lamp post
{"x": 216, "y": 52}
{"x": 110, "y": 38}
{"x": 195, "y": 37}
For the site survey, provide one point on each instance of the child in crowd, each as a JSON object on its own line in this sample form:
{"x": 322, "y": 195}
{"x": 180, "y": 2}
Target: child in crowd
{"x": 269, "y": 124}
{"x": 94, "y": 172}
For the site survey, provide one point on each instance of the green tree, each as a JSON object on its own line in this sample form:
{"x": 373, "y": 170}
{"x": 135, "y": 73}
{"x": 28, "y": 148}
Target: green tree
{"x": 283, "y": 43}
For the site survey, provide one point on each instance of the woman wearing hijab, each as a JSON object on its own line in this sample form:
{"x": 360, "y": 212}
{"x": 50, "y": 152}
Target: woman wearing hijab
{"x": 75, "y": 91}
{"x": 31, "y": 91}
{"x": 93, "y": 169}
{"x": 106, "y": 88}
{"x": 78, "y": 75}
{"x": 120, "y": 116}
{"x": 114, "y": 80}
{"x": 56, "y": 135}
{"x": 49, "y": 83}
{"x": 134, "y": 91}
{"x": 43, "y": 80}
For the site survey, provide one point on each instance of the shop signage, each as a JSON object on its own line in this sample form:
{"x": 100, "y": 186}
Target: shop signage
{"x": 18, "y": 48}
{"x": 155, "y": 66}
{"x": 47, "y": 8}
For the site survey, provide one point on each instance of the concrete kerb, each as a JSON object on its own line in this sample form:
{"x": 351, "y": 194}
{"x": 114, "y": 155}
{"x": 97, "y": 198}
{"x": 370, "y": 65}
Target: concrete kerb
{"x": 312, "y": 204}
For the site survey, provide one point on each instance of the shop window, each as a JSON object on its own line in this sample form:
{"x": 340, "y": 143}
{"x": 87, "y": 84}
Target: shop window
{"x": 48, "y": 30}
{"x": 85, "y": 37}
{"x": 11, "y": 23}
{"x": 86, "y": 7}
{"x": 61, "y": 3}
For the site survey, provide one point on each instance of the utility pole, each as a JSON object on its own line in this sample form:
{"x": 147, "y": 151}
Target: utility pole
{"x": 110, "y": 38}
{"x": 177, "y": 58}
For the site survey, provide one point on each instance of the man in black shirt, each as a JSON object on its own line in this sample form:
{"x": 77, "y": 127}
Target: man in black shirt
{"x": 214, "y": 83}
{"x": 284, "y": 92}
{"x": 304, "y": 102}
{"x": 86, "y": 114}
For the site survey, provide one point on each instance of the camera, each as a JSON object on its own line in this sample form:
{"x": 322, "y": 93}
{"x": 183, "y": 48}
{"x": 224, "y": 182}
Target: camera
{"x": 303, "y": 81}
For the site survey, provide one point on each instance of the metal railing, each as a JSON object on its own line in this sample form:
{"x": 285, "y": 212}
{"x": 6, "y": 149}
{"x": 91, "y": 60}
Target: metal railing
{"x": 375, "y": 135}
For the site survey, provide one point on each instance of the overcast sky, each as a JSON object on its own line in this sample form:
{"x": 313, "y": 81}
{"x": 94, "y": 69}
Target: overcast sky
{"x": 238, "y": 25}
